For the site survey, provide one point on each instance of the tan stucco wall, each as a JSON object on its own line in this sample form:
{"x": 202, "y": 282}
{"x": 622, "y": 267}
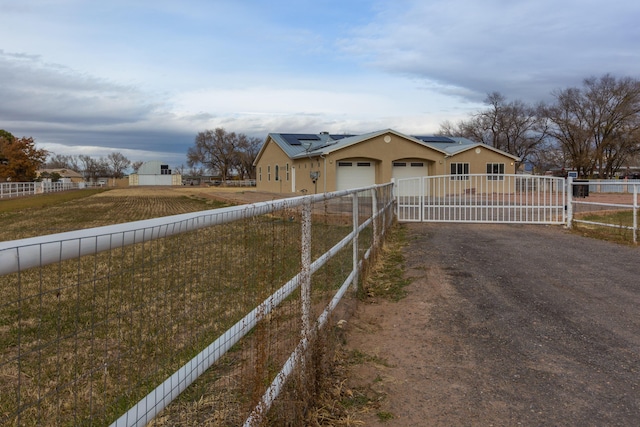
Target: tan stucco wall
{"x": 273, "y": 155}
{"x": 380, "y": 152}
{"x": 478, "y": 161}
{"x": 383, "y": 154}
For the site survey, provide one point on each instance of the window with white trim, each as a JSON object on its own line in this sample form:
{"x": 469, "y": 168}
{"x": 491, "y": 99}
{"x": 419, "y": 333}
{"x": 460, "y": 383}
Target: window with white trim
{"x": 494, "y": 170}
{"x": 460, "y": 171}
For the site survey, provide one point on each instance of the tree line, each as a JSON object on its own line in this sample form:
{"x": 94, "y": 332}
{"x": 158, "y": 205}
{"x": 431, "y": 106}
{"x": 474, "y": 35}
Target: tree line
{"x": 593, "y": 129}
{"x": 20, "y": 161}
{"x": 113, "y": 165}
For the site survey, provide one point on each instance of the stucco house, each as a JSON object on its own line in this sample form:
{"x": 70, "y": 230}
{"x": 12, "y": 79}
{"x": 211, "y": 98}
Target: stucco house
{"x": 66, "y": 175}
{"x": 155, "y": 173}
{"x": 316, "y": 163}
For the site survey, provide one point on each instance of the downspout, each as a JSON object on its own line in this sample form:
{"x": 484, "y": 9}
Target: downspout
{"x": 324, "y": 179}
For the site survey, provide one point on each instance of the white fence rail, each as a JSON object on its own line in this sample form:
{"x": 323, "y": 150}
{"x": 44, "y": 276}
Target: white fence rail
{"x": 111, "y": 324}
{"x": 588, "y": 199}
{"x": 16, "y": 189}
{"x": 482, "y": 198}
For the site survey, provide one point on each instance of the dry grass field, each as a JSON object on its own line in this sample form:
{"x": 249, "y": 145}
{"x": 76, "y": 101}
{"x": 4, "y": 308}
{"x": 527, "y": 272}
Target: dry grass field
{"x": 60, "y": 212}
{"x": 83, "y": 340}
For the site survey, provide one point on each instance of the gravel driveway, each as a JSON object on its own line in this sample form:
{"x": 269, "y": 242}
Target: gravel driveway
{"x": 505, "y": 325}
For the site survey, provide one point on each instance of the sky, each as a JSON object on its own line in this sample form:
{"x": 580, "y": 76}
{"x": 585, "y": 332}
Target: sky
{"x": 143, "y": 77}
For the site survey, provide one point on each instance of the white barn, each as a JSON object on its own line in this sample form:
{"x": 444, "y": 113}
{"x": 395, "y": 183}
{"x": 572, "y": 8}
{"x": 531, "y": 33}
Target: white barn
{"x": 155, "y": 173}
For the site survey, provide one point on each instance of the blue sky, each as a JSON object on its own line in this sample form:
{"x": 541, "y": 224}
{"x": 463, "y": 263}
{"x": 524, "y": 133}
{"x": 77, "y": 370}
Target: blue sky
{"x": 144, "y": 77}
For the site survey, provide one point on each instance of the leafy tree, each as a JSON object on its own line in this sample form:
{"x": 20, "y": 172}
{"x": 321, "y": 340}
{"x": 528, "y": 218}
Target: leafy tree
{"x": 19, "y": 158}
{"x": 598, "y": 125}
{"x": 118, "y": 163}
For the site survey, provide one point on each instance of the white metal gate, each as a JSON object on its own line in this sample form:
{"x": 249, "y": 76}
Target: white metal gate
{"x": 486, "y": 198}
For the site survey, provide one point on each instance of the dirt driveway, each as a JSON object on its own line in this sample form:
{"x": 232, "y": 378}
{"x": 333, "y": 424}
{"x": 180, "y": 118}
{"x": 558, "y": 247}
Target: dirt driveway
{"x": 505, "y": 326}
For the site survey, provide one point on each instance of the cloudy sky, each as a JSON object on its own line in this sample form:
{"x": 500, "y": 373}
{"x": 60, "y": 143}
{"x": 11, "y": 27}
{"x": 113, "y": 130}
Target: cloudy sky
{"x": 143, "y": 77}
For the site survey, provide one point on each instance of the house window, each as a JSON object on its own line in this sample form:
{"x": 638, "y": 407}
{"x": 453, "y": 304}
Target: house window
{"x": 287, "y": 171}
{"x": 164, "y": 170}
{"x": 494, "y": 170}
{"x": 268, "y": 172}
{"x": 460, "y": 171}
{"x": 277, "y": 173}
{"x": 260, "y": 173}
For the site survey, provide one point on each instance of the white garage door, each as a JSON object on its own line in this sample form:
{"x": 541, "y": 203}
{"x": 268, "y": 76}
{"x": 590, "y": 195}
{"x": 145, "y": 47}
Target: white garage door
{"x": 409, "y": 169}
{"x": 355, "y": 173}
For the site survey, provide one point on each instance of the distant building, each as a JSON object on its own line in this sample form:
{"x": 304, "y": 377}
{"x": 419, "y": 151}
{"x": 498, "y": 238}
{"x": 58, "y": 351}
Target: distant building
{"x": 155, "y": 173}
{"x": 66, "y": 175}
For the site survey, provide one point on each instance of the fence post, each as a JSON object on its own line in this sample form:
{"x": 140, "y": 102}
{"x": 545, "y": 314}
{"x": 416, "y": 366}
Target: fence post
{"x": 355, "y": 238}
{"x": 569, "y": 207}
{"x": 635, "y": 213}
{"x": 305, "y": 272}
{"x": 374, "y": 217}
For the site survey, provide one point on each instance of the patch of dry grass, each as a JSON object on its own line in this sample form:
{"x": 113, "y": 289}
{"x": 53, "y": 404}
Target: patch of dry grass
{"x": 83, "y": 340}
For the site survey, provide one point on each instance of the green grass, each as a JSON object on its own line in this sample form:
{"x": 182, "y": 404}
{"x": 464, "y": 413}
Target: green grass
{"x": 623, "y": 218}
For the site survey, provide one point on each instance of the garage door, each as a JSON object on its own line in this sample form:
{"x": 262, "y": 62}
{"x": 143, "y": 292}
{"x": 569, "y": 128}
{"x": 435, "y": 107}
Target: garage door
{"x": 355, "y": 173}
{"x": 409, "y": 169}
{"x": 403, "y": 169}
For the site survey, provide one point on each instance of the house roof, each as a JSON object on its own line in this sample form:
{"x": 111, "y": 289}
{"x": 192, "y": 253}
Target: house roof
{"x": 65, "y": 173}
{"x": 297, "y": 145}
{"x": 453, "y": 145}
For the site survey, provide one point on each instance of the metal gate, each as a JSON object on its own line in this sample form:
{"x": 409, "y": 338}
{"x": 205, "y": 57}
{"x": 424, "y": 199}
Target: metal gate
{"x": 485, "y": 198}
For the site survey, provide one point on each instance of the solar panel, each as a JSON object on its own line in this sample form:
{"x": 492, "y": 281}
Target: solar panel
{"x": 434, "y": 139}
{"x": 338, "y": 137}
{"x": 297, "y": 138}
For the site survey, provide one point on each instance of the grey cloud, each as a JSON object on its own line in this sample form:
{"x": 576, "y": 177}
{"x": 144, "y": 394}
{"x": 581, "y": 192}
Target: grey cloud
{"x": 523, "y": 49}
{"x": 34, "y": 91}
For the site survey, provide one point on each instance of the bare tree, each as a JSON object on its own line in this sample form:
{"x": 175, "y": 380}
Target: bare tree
{"x": 118, "y": 163}
{"x": 217, "y": 150}
{"x": 136, "y": 166}
{"x": 248, "y": 148}
{"x": 598, "y": 125}
{"x": 94, "y": 168}
{"x": 514, "y": 127}
{"x": 61, "y": 161}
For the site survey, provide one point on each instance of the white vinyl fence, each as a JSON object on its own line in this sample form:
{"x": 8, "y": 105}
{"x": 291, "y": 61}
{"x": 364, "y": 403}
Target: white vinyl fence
{"x": 590, "y": 201}
{"x": 16, "y": 189}
{"x": 111, "y": 325}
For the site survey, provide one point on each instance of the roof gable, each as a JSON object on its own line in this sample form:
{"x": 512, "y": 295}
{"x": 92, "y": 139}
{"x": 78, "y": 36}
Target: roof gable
{"x": 300, "y": 145}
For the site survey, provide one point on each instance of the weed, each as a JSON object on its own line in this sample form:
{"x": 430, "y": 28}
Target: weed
{"x": 385, "y": 416}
